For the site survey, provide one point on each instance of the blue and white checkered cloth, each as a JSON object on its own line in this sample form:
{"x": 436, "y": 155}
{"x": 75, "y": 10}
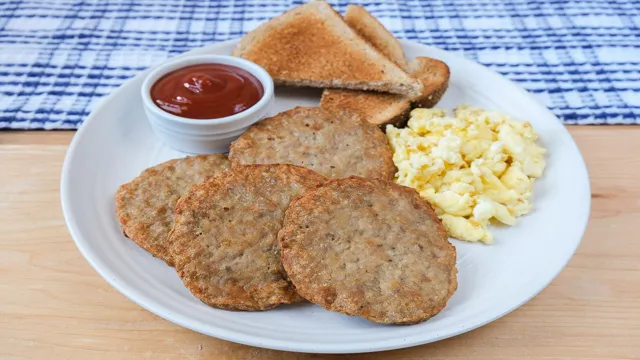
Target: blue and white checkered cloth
{"x": 59, "y": 57}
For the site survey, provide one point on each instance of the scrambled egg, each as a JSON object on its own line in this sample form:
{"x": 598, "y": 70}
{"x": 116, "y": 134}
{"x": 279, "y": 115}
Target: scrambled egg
{"x": 474, "y": 167}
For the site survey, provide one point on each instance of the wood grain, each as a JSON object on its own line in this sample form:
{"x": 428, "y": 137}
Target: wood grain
{"x": 54, "y": 306}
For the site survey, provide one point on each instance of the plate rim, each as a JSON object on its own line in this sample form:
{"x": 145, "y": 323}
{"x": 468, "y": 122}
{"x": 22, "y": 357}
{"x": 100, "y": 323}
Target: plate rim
{"x": 294, "y": 346}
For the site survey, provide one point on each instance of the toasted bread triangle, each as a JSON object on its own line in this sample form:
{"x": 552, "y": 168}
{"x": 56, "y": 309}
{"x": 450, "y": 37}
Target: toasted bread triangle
{"x": 311, "y": 45}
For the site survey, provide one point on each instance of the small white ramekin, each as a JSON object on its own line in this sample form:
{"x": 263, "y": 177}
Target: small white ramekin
{"x": 204, "y": 136}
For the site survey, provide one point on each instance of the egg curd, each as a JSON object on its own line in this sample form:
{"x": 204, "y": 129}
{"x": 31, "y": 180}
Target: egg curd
{"x": 474, "y": 167}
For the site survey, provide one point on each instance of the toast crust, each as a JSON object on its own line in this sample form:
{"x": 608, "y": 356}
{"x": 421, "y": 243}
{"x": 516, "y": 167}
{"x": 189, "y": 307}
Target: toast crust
{"x": 434, "y": 75}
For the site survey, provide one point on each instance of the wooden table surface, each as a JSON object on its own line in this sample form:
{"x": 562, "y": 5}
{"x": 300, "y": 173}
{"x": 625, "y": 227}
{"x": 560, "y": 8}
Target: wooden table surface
{"x": 53, "y": 305}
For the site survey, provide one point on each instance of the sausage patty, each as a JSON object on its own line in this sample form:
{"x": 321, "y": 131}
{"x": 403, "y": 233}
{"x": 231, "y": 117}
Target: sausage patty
{"x": 225, "y": 236}
{"x": 370, "y": 248}
{"x": 334, "y": 143}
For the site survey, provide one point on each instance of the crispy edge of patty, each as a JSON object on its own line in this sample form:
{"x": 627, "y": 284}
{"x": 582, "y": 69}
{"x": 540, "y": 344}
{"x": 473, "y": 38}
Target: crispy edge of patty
{"x": 289, "y": 255}
{"x": 182, "y": 251}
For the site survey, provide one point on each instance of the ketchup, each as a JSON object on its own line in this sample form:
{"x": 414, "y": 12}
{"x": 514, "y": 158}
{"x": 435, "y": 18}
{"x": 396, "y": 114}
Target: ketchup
{"x": 207, "y": 91}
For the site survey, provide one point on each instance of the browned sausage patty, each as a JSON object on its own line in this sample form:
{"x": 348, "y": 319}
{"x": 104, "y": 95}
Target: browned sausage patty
{"x": 369, "y": 248}
{"x": 225, "y": 236}
{"x": 144, "y": 206}
{"x": 333, "y": 143}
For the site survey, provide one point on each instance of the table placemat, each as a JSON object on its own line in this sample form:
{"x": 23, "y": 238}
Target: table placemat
{"x": 59, "y": 57}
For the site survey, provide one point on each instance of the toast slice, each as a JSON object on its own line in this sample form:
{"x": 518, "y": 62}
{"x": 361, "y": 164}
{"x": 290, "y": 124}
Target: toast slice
{"x": 367, "y": 26}
{"x": 311, "y": 45}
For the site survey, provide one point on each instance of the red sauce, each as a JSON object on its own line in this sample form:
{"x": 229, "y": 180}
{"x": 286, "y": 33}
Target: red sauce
{"x": 207, "y": 91}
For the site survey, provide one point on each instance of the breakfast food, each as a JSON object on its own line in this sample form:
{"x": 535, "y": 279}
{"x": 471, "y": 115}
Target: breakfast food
{"x": 306, "y": 206}
{"x": 474, "y": 167}
{"x": 434, "y": 75}
{"x": 144, "y": 206}
{"x": 224, "y": 237}
{"x": 370, "y": 248}
{"x": 367, "y": 26}
{"x": 376, "y": 108}
{"x": 311, "y": 45}
{"x": 380, "y": 108}
{"x": 333, "y": 143}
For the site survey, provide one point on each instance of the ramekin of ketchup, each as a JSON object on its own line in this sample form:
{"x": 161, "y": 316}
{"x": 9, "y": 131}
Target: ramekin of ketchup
{"x": 200, "y": 104}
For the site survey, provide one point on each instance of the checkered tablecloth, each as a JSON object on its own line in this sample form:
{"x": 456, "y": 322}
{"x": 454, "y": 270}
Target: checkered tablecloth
{"x": 59, "y": 57}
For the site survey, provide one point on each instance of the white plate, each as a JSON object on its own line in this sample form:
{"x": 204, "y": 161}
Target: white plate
{"x": 116, "y": 143}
